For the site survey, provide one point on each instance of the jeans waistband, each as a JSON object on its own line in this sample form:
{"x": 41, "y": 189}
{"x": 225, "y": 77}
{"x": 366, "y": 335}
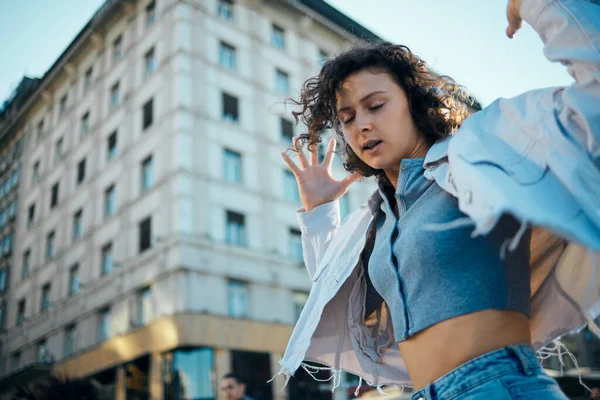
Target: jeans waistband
{"x": 481, "y": 369}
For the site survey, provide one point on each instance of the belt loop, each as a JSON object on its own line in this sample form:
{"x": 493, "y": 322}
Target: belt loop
{"x": 424, "y": 394}
{"x": 524, "y": 360}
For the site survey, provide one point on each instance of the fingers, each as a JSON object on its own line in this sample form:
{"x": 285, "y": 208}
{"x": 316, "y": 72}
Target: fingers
{"x": 301, "y": 156}
{"x": 314, "y": 154}
{"x": 515, "y": 22}
{"x": 290, "y": 163}
{"x": 513, "y": 28}
{"x": 329, "y": 152}
{"x": 350, "y": 179}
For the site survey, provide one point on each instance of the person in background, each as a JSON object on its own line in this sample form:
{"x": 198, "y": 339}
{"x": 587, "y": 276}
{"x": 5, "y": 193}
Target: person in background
{"x": 233, "y": 388}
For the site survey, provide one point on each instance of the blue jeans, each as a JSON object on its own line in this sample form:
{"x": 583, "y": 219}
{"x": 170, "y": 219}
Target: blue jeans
{"x": 513, "y": 372}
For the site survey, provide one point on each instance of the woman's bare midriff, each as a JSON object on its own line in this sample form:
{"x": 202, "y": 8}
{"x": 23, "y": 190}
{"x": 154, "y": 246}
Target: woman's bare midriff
{"x": 439, "y": 349}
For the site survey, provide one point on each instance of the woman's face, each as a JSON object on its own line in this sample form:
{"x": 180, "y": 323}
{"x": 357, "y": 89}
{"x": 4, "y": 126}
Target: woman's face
{"x": 376, "y": 121}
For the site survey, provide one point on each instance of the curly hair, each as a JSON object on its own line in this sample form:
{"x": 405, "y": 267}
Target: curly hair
{"x": 437, "y": 104}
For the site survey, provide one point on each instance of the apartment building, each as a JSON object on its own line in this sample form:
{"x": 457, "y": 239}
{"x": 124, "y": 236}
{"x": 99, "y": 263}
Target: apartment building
{"x": 156, "y": 246}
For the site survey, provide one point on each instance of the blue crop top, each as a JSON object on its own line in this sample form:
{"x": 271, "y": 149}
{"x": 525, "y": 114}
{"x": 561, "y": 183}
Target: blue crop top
{"x": 426, "y": 276}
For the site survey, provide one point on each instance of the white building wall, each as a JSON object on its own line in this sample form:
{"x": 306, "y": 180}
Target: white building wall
{"x": 190, "y": 264}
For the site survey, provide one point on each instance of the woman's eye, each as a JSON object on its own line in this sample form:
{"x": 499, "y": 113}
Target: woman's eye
{"x": 375, "y": 107}
{"x": 347, "y": 121}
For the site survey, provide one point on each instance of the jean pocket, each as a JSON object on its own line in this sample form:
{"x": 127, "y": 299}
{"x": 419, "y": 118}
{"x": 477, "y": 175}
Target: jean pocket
{"x": 542, "y": 389}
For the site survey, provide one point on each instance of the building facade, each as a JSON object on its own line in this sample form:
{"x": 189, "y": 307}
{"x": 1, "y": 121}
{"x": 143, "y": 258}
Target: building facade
{"x": 11, "y": 152}
{"x": 156, "y": 247}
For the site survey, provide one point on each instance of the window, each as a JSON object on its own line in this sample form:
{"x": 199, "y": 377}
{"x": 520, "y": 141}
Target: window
{"x": 54, "y": 195}
{"x": 25, "y": 267}
{"x": 143, "y": 307}
{"x": 21, "y": 312}
{"x": 40, "y": 130}
{"x": 58, "y": 151}
{"x": 147, "y": 173}
{"x": 322, "y": 150}
{"x": 295, "y": 245}
{"x": 107, "y": 260}
{"x": 232, "y": 166}
{"x": 31, "y": 215}
{"x": 85, "y": 124}
{"x": 78, "y": 224}
{"x": 323, "y": 56}
{"x": 190, "y": 362}
{"x": 74, "y": 280}
{"x": 15, "y": 177}
{"x": 149, "y": 62}
{"x": 115, "y": 96}
{"x": 42, "y": 351}
{"x": 282, "y": 82}
{"x": 50, "y": 246}
{"x": 70, "y": 340}
{"x": 2, "y": 218}
{"x": 1, "y": 317}
{"x": 45, "y": 299}
{"x": 87, "y": 79}
{"x": 7, "y": 244}
{"x": 111, "y": 146}
{"x": 62, "y": 106}
{"x": 227, "y": 56}
{"x": 80, "y": 171}
{"x": 277, "y": 37}
{"x": 12, "y": 209}
{"x": 109, "y": 201}
{"x": 150, "y": 13}
{"x": 145, "y": 234}
{"x": 235, "y": 234}
{"x": 225, "y": 9}
{"x": 15, "y": 361}
{"x": 147, "y": 116}
{"x": 3, "y": 274}
{"x": 6, "y": 186}
{"x": 230, "y": 108}
{"x": 117, "y": 49}
{"x": 35, "y": 175}
{"x": 290, "y": 187}
{"x": 237, "y": 294}
{"x": 299, "y": 299}
{"x": 287, "y": 129}
{"x": 103, "y": 325}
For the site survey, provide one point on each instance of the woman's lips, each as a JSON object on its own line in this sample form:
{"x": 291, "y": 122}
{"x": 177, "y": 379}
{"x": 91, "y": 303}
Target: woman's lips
{"x": 372, "y": 148}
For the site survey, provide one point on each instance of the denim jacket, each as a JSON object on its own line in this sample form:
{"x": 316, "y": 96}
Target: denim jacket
{"x": 535, "y": 156}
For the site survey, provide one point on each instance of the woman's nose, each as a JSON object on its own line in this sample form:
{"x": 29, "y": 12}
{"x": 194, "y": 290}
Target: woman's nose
{"x": 363, "y": 123}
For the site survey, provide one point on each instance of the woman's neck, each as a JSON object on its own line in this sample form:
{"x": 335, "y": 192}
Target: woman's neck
{"x": 419, "y": 151}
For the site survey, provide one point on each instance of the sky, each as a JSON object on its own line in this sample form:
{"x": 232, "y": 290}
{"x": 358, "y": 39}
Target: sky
{"x": 464, "y": 39}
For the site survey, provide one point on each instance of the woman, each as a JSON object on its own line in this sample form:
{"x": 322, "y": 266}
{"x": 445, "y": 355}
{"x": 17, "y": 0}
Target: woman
{"x": 405, "y": 292}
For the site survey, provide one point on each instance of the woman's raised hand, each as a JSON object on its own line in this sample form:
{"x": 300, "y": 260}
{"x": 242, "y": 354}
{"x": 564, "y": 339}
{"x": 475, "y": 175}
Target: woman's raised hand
{"x": 513, "y": 15}
{"x": 315, "y": 183}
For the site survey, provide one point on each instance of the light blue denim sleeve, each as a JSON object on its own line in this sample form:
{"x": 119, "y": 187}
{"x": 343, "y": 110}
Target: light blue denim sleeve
{"x": 554, "y": 128}
{"x": 570, "y": 30}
